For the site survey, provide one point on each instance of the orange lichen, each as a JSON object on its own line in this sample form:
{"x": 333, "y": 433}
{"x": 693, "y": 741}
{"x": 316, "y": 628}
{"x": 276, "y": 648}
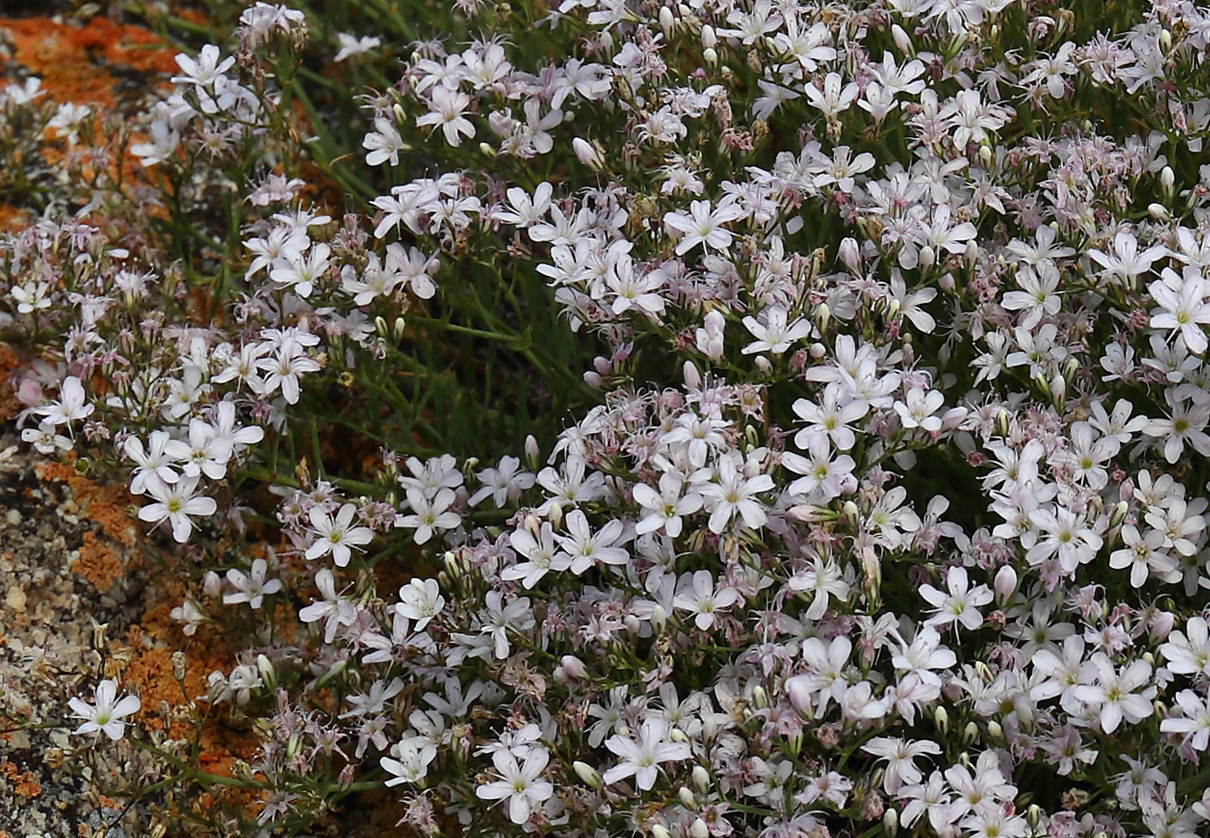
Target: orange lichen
{"x": 73, "y": 62}
{"x": 98, "y": 563}
{"x": 104, "y": 504}
{"x": 24, "y": 783}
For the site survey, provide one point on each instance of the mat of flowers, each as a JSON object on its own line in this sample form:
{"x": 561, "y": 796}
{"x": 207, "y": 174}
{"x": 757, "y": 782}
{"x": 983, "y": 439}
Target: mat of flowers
{"x": 730, "y": 417}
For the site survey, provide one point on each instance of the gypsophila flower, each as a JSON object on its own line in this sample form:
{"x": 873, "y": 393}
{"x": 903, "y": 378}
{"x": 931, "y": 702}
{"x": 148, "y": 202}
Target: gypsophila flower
{"x": 105, "y": 714}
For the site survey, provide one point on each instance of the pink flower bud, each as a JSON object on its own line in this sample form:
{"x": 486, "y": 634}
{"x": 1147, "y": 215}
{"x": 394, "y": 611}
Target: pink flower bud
{"x": 573, "y": 666}
{"x": 850, "y": 254}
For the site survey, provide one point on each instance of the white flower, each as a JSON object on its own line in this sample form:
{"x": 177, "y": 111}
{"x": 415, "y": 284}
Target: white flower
{"x": 420, "y": 600}
{"x": 106, "y": 716}
{"x": 960, "y": 604}
{"x": 825, "y": 579}
{"x": 334, "y": 609}
{"x": 447, "y": 108}
{"x": 351, "y": 45}
{"x": 503, "y": 484}
{"x": 1195, "y": 722}
{"x": 383, "y": 143}
{"x": 176, "y": 503}
{"x": 702, "y": 226}
{"x": 641, "y": 758}
{"x": 539, "y": 552}
{"x": 775, "y": 335}
{"x": 1188, "y": 653}
{"x": 337, "y": 535}
{"x": 251, "y": 587}
{"x": 429, "y": 515}
{"x": 583, "y": 548}
{"x": 900, "y": 755}
{"x": 1112, "y": 694}
{"x": 665, "y": 508}
{"x": 696, "y": 594}
{"x": 71, "y": 405}
{"x": 518, "y": 783}
{"x": 1183, "y": 307}
{"x": 735, "y": 494}
{"x": 412, "y": 758}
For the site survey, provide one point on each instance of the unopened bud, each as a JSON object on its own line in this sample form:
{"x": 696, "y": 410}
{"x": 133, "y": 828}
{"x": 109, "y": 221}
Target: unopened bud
{"x": 667, "y": 21}
{"x": 701, "y": 778}
{"x": 995, "y": 730}
{"x": 1119, "y": 513}
{"x": 970, "y": 734}
{"x": 212, "y": 584}
{"x": 589, "y": 154}
{"x": 822, "y": 315}
{"x": 573, "y": 666}
{"x": 850, "y": 254}
{"x": 687, "y": 798}
{"x": 709, "y": 37}
{"x": 1005, "y": 584}
{"x": 532, "y": 452}
{"x": 890, "y": 823}
{"x": 588, "y": 774}
{"x": 1167, "y": 179}
{"x": 699, "y": 829}
{"x": 901, "y": 39}
{"x": 658, "y": 831}
{"x": 678, "y": 736}
{"x": 710, "y": 56}
{"x": 1159, "y": 212}
{"x": 267, "y": 673}
{"x": 928, "y": 257}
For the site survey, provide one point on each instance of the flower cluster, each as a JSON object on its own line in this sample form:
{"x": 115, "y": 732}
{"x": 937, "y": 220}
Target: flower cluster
{"x": 890, "y": 514}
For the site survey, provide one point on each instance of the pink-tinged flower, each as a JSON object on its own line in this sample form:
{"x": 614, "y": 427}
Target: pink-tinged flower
{"x": 176, "y": 503}
{"x": 1126, "y": 262}
{"x": 703, "y": 226}
{"x": 72, "y": 404}
{"x": 539, "y": 553}
{"x": 583, "y": 548}
{"x": 641, "y": 758}
{"x": 106, "y": 716}
{"x": 1112, "y": 694}
{"x": 420, "y": 600}
{"x": 337, "y": 535}
{"x": 334, "y": 609}
{"x": 960, "y": 603}
{"x": 775, "y": 335}
{"x": 518, "y": 783}
{"x": 1188, "y": 652}
{"x": 734, "y": 494}
{"x": 1195, "y": 721}
{"x": 446, "y": 110}
{"x": 900, "y": 756}
{"x": 429, "y": 515}
{"x": 1183, "y": 307}
{"x": 251, "y": 587}
{"x": 666, "y": 507}
{"x": 696, "y": 594}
